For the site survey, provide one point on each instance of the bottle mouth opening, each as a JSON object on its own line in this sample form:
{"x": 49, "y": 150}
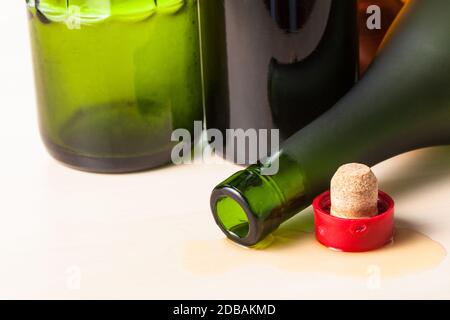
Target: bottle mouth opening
{"x": 234, "y": 217}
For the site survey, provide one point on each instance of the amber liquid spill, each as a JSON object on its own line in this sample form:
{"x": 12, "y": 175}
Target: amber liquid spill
{"x": 293, "y": 248}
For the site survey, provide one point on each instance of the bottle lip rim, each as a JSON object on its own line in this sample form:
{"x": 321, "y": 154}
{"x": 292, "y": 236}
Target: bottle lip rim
{"x": 254, "y": 231}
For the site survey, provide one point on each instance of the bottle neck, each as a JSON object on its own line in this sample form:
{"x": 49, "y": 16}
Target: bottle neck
{"x": 250, "y": 205}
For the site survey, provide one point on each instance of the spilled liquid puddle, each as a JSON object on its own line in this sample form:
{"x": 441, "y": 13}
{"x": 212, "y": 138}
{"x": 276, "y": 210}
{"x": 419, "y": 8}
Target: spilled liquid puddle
{"x": 295, "y": 249}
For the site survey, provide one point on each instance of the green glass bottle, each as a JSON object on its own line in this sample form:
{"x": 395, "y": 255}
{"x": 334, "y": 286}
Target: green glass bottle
{"x": 402, "y": 103}
{"x": 115, "y": 78}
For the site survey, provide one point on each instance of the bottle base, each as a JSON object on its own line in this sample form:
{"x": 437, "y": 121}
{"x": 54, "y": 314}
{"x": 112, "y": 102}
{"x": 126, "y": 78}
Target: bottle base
{"x": 107, "y": 164}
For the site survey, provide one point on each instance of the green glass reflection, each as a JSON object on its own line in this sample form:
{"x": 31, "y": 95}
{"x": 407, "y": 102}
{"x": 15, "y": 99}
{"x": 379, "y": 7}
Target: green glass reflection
{"x": 232, "y": 217}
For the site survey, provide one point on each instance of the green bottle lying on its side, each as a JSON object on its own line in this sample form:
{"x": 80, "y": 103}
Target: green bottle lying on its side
{"x": 401, "y": 104}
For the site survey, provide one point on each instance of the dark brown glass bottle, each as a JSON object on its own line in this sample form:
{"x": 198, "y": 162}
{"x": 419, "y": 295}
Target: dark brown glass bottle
{"x": 276, "y": 63}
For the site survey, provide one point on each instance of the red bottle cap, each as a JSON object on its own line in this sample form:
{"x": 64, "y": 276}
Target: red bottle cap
{"x": 354, "y": 235}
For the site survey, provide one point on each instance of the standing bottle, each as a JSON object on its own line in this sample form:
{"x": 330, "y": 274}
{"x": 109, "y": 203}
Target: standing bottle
{"x": 268, "y": 62}
{"x": 402, "y": 103}
{"x": 114, "y": 79}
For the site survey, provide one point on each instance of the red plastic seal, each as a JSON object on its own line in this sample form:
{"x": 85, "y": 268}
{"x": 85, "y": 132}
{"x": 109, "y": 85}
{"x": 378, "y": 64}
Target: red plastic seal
{"x": 354, "y": 235}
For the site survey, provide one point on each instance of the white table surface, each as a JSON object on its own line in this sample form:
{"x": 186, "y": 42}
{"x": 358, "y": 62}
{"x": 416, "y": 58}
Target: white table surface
{"x": 68, "y": 234}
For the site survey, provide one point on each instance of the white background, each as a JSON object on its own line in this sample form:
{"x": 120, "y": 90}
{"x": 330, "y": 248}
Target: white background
{"x": 69, "y": 234}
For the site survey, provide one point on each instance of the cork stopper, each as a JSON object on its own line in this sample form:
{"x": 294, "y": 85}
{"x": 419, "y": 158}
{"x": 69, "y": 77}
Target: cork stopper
{"x": 354, "y": 192}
